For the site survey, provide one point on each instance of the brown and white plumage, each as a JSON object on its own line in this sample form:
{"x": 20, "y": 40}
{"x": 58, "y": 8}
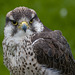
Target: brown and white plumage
{"x": 54, "y": 51}
{"x": 32, "y": 49}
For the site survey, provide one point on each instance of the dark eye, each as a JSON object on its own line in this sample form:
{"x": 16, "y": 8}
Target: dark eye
{"x": 31, "y": 21}
{"x": 14, "y": 22}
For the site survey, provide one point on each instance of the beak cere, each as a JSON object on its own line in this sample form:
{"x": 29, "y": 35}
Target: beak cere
{"x": 24, "y": 26}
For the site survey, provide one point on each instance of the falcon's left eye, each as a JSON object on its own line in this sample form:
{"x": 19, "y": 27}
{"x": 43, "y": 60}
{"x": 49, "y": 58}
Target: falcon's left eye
{"x": 14, "y": 22}
{"x": 31, "y": 21}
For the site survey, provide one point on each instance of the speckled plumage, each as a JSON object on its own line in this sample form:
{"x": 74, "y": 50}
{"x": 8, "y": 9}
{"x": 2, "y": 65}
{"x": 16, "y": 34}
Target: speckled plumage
{"x": 38, "y": 51}
{"x": 19, "y": 57}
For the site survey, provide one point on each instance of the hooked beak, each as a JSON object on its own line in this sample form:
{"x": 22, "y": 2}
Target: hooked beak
{"x": 24, "y": 26}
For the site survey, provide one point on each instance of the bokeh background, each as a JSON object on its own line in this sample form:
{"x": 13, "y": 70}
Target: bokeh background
{"x": 55, "y": 14}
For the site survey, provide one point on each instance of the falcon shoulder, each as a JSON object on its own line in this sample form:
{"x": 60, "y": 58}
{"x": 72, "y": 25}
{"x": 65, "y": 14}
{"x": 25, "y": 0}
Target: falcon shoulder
{"x": 52, "y": 50}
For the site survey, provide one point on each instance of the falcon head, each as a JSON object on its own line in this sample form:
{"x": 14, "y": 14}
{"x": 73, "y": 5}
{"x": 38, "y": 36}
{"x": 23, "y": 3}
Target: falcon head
{"x": 22, "y": 21}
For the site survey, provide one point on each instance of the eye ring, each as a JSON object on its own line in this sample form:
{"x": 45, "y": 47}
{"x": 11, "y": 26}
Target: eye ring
{"x": 14, "y": 22}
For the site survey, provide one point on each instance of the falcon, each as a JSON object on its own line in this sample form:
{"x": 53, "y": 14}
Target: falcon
{"x": 30, "y": 48}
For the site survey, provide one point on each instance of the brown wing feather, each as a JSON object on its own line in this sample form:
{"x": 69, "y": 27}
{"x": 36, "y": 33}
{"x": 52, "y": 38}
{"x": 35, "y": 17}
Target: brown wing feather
{"x": 54, "y": 51}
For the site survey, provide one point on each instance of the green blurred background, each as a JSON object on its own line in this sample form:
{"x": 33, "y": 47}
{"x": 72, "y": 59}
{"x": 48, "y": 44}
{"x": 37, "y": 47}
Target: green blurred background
{"x": 55, "y": 14}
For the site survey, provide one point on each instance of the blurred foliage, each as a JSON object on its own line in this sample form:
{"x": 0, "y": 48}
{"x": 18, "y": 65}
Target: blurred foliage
{"x": 56, "y": 15}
